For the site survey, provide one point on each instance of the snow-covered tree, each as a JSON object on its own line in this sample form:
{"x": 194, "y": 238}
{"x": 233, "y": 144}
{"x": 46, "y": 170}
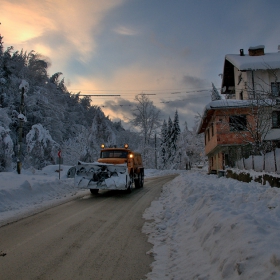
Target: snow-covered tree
{"x": 170, "y": 153}
{"x": 176, "y": 127}
{"x": 169, "y": 141}
{"x": 215, "y": 95}
{"x": 6, "y": 149}
{"x": 76, "y": 148}
{"x": 4, "y": 118}
{"x": 146, "y": 117}
{"x": 191, "y": 146}
{"x": 41, "y": 148}
{"x": 175, "y": 133}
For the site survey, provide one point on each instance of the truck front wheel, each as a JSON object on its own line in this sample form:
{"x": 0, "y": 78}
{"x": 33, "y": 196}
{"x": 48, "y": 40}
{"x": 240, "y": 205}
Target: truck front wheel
{"x": 139, "y": 182}
{"x": 94, "y": 191}
{"x": 141, "y": 179}
{"x": 129, "y": 183}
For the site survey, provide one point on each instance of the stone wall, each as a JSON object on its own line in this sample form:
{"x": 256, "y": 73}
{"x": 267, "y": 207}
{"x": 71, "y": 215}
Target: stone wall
{"x": 264, "y": 179}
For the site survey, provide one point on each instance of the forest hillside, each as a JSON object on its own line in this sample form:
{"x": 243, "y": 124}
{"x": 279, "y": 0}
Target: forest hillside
{"x": 39, "y": 116}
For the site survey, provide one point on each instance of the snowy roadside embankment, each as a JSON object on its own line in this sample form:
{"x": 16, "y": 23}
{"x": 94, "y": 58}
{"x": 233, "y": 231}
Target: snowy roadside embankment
{"x": 21, "y": 194}
{"x": 35, "y": 190}
{"x": 214, "y": 228}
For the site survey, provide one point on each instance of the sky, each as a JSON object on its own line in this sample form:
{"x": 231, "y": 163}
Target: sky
{"x": 171, "y": 50}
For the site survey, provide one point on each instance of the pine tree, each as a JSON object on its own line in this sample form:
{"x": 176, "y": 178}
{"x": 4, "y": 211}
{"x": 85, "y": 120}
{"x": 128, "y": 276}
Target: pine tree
{"x": 175, "y": 137}
{"x": 163, "y": 145}
{"x": 169, "y": 142}
{"x": 173, "y": 133}
{"x": 176, "y": 126}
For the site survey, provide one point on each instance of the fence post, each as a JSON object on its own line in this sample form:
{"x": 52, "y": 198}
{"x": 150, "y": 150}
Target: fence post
{"x": 264, "y": 162}
{"x": 275, "y": 163}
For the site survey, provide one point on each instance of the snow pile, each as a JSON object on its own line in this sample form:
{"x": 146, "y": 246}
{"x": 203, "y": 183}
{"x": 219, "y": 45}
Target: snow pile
{"x": 214, "y": 228}
{"x": 21, "y": 194}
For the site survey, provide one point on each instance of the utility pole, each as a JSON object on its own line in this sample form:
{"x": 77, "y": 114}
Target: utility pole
{"x": 21, "y": 120}
{"x": 156, "y": 150}
{"x": 253, "y": 84}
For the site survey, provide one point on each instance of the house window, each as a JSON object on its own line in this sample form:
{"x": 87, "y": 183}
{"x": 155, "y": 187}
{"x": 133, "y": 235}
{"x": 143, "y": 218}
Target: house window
{"x": 275, "y": 89}
{"x": 276, "y": 119}
{"x": 241, "y": 95}
{"x": 238, "y": 123}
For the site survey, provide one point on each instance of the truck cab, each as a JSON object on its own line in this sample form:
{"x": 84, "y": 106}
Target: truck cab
{"x": 133, "y": 160}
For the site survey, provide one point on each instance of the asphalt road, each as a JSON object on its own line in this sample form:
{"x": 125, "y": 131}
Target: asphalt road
{"x": 91, "y": 237}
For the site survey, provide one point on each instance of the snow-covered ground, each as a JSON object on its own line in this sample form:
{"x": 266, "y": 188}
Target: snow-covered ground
{"x": 32, "y": 191}
{"x": 201, "y": 227}
{"x": 214, "y": 228}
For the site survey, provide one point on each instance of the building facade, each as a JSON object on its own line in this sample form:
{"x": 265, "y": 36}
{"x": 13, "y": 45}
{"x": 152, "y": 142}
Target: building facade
{"x": 247, "y": 112}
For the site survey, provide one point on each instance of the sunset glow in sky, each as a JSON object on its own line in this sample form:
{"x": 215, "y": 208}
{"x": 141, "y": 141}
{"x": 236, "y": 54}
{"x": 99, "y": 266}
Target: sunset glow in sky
{"x": 171, "y": 49}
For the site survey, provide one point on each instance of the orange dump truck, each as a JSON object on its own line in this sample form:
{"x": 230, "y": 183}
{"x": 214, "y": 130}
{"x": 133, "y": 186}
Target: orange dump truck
{"x": 116, "y": 169}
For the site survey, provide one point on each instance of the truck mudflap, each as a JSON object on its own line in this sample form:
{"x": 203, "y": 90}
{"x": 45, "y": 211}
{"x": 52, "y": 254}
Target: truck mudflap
{"x": 101, "y": 176}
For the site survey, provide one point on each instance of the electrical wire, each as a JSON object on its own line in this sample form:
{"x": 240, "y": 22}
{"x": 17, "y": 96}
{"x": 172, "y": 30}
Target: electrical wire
{"x": 166, "y": 96}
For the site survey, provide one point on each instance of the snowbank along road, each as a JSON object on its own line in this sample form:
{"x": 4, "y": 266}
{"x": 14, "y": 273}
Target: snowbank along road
{"x": 90, "y": 237}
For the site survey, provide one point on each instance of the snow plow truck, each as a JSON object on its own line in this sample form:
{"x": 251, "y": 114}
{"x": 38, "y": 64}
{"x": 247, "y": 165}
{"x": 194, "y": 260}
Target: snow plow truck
{"x": 116, "y": 169}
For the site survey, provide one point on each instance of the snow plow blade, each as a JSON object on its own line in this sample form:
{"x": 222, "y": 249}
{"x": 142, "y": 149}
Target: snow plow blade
{"x": 101, "y": 176}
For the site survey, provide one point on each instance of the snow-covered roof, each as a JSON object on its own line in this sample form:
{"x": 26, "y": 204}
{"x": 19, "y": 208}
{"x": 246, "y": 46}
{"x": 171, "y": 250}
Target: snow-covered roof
{"x": 226, "y": 104}
{"x": 262, "y": 62}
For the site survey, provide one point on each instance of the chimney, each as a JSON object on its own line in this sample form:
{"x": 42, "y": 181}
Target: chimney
{"x": 241, "y": 52}
{"x": 256, "y": 51}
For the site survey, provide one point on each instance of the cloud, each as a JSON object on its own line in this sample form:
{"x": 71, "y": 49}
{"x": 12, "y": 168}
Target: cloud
{"x": 122, "y": 30}
{"x": 34, "y": 23}
{"x": 194, "y": 82}
{"x": 131, "y": 80}
{"x": 188, "y": 107}
{"x": 21, "y": 23}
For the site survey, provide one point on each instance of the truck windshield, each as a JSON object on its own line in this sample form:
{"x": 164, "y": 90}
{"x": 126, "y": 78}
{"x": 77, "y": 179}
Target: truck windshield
{"x": 113, "y": 154}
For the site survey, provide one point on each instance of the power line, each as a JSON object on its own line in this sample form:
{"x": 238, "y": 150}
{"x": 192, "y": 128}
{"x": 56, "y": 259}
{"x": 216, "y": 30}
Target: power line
{"x": 172, "y": 91}
{"x": 131, "y": 105}
{"x": 130, "y": 95}
{"x": 139, "y": 90}
{"x": 127, "y": 95}
{"x": 99, "y": 95}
